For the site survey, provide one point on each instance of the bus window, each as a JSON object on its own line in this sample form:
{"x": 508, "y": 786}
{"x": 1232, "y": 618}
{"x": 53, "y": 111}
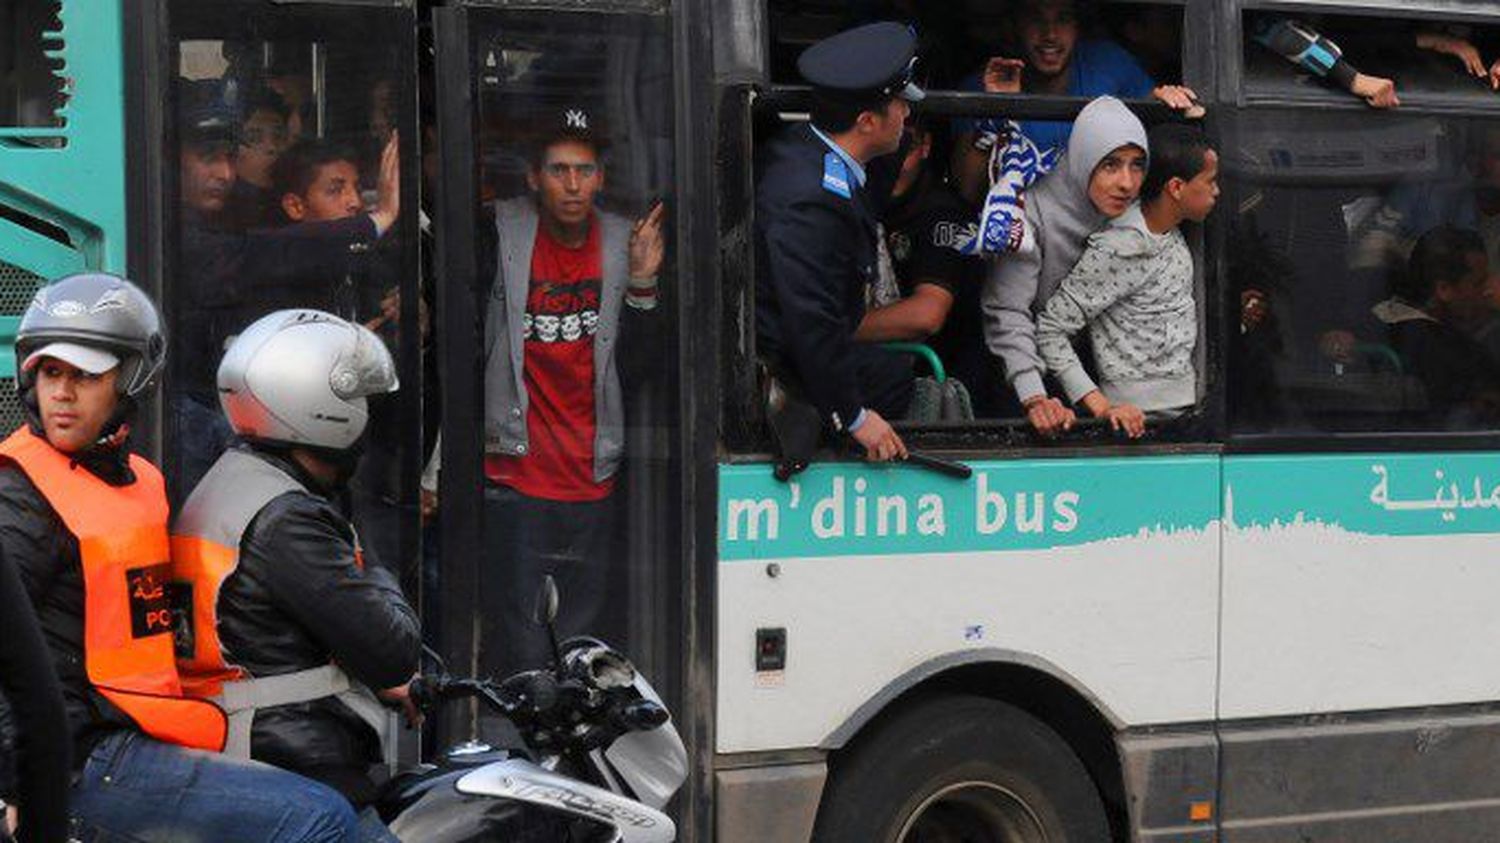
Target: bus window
{"x": 30, "y": 92}
{"x": 575, "y": 286}
{"x": 1323, "y": 57}
{"x": 286, "y": 191}
{"x": 1130, "y": 50}
{"x": 1360, "y": 257}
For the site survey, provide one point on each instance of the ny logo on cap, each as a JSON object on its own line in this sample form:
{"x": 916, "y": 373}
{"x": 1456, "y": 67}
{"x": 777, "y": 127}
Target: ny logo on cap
{"x": 576, "y": 119}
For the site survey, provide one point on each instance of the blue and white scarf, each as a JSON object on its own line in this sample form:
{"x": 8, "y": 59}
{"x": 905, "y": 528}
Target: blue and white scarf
{"x": 1015, "y": 164}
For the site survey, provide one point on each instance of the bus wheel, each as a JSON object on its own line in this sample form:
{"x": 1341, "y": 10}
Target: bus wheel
{"x": 961, "y": 770}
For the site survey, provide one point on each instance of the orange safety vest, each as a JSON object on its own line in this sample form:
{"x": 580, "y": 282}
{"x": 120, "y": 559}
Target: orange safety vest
{"x": 128, "y": 620}
{"x": 205, "y": 552}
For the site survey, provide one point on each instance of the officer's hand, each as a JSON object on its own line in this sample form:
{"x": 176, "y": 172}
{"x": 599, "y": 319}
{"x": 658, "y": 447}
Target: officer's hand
{"x": 1048, "y": 416}
{"x": 879, "y": 439}
{"x": 1003, "y": 75}
{"x": 12, "y": 820}
{"x": 388, "y": 186}
{"x": 429, "y": 505}
{"x": 400, "y": 696}
{"x": 647, "y": 246}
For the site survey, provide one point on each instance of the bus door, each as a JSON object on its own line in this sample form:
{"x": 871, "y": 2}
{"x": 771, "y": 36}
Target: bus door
{"x": 289, "y": 180}
{"x": 557, "y": 220}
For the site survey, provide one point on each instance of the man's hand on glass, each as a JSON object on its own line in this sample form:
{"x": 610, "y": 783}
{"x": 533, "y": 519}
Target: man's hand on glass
{"x": 647, "y": 244}
{"x": 388, "y": 186}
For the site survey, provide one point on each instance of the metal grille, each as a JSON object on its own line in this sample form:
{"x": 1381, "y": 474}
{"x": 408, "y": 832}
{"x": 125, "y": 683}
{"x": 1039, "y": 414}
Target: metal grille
{"x": 17, "y": 286}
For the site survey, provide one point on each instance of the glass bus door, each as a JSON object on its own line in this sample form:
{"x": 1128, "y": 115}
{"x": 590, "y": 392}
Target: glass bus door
{"x": 558, "y": 292}
{"x": 289, "y": 181}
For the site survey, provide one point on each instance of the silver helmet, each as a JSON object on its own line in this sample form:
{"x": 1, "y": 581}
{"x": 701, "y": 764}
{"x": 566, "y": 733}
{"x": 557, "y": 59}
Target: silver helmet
{"x": 96, "y": 322}
{"x": 300, "y": 377}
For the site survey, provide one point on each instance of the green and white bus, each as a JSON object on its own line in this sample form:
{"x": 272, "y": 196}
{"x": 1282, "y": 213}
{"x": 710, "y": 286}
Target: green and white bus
{"x": 1270, "y": 619}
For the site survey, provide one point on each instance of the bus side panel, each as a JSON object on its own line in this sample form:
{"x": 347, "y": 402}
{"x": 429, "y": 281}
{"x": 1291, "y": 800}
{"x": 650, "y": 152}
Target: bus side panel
{"x": 1106, "y": 571}
{"x": 1360, "y": 582}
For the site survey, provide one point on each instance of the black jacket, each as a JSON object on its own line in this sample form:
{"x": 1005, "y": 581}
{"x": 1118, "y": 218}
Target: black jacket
{"x": 815, "y": 253}
{"x": 37, "y": 729}
{"x": 298, "y": 600}
{"x": 46, "y": 556}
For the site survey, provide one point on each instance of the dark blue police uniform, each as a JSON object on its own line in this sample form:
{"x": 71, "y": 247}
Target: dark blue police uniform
{"x": 815, "y": 239}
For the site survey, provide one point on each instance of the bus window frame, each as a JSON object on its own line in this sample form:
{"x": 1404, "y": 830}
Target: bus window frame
{"x": 742, "y": 420}
{"x": 1235, "y": 87}
{"x": 1239, "y": 87}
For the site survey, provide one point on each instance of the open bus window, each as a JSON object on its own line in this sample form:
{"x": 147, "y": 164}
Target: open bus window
{"x": 576, "y": 283}
{"x": 284, "y": 190}
{"x": 1361, "y": 253}
{"x": 1123, "y": 49}
{"x": 1319, "y": 57}
{"x": 957, "y": 37}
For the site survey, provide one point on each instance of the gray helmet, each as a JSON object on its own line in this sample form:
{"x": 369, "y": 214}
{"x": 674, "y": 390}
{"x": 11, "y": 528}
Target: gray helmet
{"x": 94, "y": 321}
{"x": 300, "y": 377}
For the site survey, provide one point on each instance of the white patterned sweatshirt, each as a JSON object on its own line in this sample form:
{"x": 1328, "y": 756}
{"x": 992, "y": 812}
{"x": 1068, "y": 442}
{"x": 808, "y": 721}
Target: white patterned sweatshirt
{"x": 1133, "y": 290}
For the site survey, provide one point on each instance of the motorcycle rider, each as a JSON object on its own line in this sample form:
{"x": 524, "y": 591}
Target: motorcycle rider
{"x": 290, "y": 624}
{"x": 85, "y": 522}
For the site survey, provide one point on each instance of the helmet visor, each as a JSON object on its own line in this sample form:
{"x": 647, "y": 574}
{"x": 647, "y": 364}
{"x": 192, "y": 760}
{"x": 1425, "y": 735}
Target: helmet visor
{"x": 365, "y": 369}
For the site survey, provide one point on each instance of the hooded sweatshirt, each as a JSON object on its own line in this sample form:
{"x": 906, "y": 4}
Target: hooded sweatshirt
{"x": 1059, "y": 219}
{"x": 1133, "y": 289}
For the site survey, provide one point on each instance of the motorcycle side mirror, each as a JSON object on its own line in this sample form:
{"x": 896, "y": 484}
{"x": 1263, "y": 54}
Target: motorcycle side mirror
{"x": 545, "y": 611}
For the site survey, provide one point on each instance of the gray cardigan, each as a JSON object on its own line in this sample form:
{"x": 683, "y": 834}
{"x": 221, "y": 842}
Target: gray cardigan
{"x": 505, "y": 398}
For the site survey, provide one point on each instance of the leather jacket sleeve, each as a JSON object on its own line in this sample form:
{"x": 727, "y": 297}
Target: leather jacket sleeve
{"x": 301, "y": 551}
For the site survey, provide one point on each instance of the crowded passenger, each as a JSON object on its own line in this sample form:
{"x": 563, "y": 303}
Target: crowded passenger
{"x": 930, "y": 288}
{"x": 1132, "y": 290}
{"x": 1437, "y": 304}
{"x": 85, "y": 522}
{"x": 1061, "y": 61}
{"x": 570, "y": 331}
{"x": 262, "y": 138}
{"x": 227, "y": 277}
{"x": 1097, "y": 180}
{"x": 815, "y": 236}
{"x": 276, "y": 569}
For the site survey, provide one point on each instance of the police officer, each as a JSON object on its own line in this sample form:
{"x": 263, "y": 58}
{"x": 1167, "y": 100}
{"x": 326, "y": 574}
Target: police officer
{"x": 815, "y": 234}
{"x": 290, "y": 626}
{"x": 85, "y": 522}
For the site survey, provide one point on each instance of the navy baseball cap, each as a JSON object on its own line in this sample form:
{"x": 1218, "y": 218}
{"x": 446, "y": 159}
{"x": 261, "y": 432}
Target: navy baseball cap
{"x": 208, "y": 110}
{"x": 873, "y": 62}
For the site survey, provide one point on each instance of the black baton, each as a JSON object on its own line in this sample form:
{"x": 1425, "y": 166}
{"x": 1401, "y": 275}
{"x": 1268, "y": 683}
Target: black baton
{"x": 940, "y": 465}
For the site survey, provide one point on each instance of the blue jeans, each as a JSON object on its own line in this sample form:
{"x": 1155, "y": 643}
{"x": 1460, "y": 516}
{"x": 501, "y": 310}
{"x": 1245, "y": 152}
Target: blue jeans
{"x": 135, "y": 789}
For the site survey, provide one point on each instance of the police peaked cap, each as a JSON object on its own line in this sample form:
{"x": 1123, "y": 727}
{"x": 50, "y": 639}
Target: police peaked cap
{"x": 870, "y": 63}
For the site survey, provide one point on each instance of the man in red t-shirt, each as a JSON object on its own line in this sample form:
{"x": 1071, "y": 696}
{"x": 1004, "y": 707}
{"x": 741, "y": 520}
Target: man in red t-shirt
{"x": 570, "y": 280}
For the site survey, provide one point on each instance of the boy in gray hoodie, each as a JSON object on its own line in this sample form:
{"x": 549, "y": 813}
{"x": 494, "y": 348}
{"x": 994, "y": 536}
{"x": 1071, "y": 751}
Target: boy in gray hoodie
{"x": 1133, "y": 290}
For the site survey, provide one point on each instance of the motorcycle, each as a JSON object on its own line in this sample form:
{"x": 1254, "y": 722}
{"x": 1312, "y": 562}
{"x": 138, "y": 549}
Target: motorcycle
{"x": 602, "y": 757}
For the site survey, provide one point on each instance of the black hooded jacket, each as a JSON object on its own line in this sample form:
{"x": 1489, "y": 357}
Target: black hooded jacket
{"x": 298, "y": 600}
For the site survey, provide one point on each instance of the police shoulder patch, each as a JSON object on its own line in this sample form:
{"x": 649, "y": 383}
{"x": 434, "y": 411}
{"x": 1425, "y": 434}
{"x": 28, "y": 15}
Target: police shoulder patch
{"x": 836, "y": 176}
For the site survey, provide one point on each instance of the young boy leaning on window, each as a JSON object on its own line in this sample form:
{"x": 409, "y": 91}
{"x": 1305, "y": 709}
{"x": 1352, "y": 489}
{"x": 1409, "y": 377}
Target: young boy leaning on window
{"x": 1133, "y": 290}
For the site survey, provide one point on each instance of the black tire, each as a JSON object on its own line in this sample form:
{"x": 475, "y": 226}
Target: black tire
{"x": 960, "y": 769}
